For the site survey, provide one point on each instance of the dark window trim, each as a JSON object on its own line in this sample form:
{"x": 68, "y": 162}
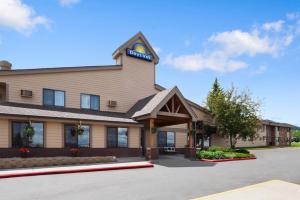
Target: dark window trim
{"x": 117, "y": 137}
{"x": 90, "y": 101}
{"x": 90, "y": 135}
{"x": 54, "y": 97}
{"x": 22, "y": 121}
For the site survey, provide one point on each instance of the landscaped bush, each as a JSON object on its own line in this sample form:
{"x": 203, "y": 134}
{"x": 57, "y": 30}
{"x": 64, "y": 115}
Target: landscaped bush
{"x": 211, "y": 154}
{"x": 223, "y": 153}
{"x": 245, "y": 151}
{"x": 215, "y": 148}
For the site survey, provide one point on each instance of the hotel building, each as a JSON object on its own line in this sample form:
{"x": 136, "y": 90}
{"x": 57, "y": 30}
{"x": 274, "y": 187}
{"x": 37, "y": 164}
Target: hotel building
{"x": 120, "y": 108}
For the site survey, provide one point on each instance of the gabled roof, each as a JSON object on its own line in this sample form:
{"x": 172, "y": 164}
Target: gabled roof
{"x": 154, "y": 103}
{"x": 161, "y": 88}
{"x": 139, "y": 105}
{"x": 131, "y": 41}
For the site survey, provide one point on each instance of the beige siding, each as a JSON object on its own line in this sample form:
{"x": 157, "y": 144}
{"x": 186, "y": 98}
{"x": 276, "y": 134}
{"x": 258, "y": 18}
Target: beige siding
{"x": 134, "y": 137}
{"x": 181, "y": 139}
{"x": 126, "y": 86}
{"x": 4, "y": 133}
{"x": 259, "y": 140}
{"x": 98, "y": 136}
{"x": 54, "y": 135}
{"x": 219, "y": 141}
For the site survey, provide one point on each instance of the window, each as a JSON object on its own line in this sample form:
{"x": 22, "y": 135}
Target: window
{"x": 20, "y": 140}
{"x": 117, "y": 137}
{"x": 166, "y": 139}
{"x": 73, "y": 140}
{"x": 90, "y": 101}
{"x": 53, "y": 97}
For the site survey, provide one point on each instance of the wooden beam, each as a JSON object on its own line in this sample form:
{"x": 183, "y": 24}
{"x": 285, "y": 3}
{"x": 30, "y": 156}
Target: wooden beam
{"x": 180, "y": 115}
{"x": 178, "y": 108}
{"x": 172, "y": 104}
{"x": 168, "y": 108}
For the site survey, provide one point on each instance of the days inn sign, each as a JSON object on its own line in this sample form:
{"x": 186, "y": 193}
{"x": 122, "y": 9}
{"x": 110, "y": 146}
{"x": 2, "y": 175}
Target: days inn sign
{"x": 138, "y": 50}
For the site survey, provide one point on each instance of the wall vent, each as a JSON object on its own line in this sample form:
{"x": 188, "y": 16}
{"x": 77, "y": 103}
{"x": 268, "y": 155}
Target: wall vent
{"x": 112, "y": 103}
{"x": 26, "y": 93}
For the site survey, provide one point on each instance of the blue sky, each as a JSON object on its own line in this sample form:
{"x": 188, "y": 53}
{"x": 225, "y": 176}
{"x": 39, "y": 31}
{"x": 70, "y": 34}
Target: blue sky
{"x": 251, "y": 44}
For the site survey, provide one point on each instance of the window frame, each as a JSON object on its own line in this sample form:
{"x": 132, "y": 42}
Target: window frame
{"x": 22, "y": 121}
{"x": 77, "y": 146}
{"x": 53, "y": 90}
{"x": 117, "y": 138}
{"x": 166, "y": 138}
{"x": 90, "y": 107}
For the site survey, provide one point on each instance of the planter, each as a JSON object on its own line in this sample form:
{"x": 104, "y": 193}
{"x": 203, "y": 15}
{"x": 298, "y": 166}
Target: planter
{"x": 10, "y": 163}
{"x": 227, "y": 159}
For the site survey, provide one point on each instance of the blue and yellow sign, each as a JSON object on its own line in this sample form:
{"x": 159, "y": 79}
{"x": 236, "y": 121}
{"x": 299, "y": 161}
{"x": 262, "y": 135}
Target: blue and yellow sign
{"x": 139, "y": 50}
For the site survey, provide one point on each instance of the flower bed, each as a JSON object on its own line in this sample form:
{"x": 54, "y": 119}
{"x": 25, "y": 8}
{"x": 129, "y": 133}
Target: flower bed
{"x": 10, "y": 163}
{"x": 224, "y": 154}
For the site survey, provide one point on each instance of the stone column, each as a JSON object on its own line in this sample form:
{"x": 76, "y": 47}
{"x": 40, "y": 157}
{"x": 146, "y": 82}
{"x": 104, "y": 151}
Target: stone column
{"x": 190, "y": 150}
{"x": 151, "y": 132}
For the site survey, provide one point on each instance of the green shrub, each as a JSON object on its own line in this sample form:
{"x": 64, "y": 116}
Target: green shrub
{"x": 221, "y": 155}
{"x": 242, "y": 151}
{"x": 215, "y": 148}
{"x": 211, "y": 154}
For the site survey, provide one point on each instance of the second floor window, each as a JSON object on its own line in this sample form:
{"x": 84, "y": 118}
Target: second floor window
{"x": 53, "y": 97}
{"x": 89, "y": 101}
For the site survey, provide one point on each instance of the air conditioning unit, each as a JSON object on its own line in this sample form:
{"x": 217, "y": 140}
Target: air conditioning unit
{"x": 26, "y": 93}
{"x": 112, "y": 103}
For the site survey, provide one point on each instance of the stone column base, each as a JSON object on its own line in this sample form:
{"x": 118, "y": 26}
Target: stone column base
{"x": 152, "y": 154}
{"x": 190, "y": 152}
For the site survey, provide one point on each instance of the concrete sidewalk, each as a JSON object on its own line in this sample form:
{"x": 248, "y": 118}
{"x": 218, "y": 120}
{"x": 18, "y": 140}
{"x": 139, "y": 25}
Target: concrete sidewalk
{"x": 270, "y": 190}
{"x": 73, "y": 169}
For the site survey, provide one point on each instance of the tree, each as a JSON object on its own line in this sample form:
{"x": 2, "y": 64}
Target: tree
{"x": 296, "y": 134}
{"x": 235, "y": 113}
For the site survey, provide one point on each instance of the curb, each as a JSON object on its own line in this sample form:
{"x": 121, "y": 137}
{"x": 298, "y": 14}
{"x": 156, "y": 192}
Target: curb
{"x": 225, "y": 160}
{"x": 13, "y": 175}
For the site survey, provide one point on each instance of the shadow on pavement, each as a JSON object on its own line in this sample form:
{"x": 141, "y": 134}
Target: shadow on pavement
{"x": 180, "y": 161}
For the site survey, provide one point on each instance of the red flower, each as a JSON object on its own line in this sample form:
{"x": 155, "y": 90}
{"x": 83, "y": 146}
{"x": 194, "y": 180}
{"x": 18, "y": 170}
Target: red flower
{"x": 74, "y": 150}
{"x": 24, "y": 150}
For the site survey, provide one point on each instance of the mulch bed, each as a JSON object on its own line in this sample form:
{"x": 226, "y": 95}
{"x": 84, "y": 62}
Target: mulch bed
{"x": 11, "y": 163}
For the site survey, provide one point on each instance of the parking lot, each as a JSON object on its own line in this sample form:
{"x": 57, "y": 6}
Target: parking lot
{"x": 173, "y": 177}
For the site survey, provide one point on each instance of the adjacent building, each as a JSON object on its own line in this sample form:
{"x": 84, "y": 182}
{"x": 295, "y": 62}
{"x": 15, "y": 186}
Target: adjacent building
{"x": 120, "y": 108}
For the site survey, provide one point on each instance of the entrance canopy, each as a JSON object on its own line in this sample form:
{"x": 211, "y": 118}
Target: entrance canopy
{"x": 167, "y": 107}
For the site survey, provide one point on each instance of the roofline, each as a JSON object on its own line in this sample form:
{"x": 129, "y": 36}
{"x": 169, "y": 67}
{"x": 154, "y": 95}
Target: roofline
{"x": 73, "y": 119}
{"x": 273, "y": 123}
{"x": 59, "y": 69}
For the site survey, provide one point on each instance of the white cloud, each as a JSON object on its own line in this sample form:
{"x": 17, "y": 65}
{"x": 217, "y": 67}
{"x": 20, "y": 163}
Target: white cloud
{"x": 19, "y": 16}
{"x": 226, "y": 50}
{"x": 261, "y": 69}
{"x": 273, "y": 26}
{"x": 293, "y": 16}
{"x": 157, "y": 50}
{"x": 68, "y": 3}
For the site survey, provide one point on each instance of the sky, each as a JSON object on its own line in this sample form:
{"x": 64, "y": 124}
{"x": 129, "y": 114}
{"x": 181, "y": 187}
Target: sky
{"x": 251, "y": 44}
